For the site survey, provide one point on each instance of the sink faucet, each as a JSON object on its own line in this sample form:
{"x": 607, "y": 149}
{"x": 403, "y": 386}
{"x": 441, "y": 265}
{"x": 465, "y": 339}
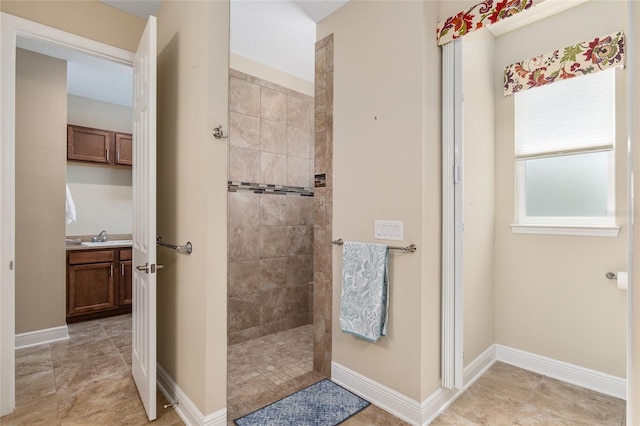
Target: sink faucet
{"x": 101, "y": 237}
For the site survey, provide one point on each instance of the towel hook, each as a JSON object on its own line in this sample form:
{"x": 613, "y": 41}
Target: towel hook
{"x": 218, "y": 133}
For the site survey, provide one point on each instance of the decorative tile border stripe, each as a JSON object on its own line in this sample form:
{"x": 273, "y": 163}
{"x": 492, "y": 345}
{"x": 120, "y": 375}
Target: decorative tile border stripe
{"x": 320, "y": 181}
{"x": 267, "y": 188}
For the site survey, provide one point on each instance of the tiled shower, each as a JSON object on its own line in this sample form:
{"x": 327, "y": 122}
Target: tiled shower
{"x": 271, "y": 166}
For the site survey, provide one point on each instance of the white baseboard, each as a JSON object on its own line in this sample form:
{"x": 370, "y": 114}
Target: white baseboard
{"x": 39, "y": 337}
{"x": 402, "y": 406}
{"x": 441, "y": 399}
{"x": 186, "y": 409}
{"x": 570, "y": 373}
{"x": 423, "y": 414}
{"x": 392, "y": 401}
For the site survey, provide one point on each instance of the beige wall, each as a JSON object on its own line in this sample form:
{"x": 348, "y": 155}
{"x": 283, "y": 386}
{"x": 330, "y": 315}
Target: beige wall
{"x": 102, "y": 195}
{"x": 479, "y": 192}
{"x": 633, "y": 403}
{"x": 41, "y": 103}
{"x": 552, "y": 298}
{"x": 380, "y": 142}
{"x": 192, "y": 189}
{"x": 87, "y": 18}
{"x": 265, "y": 72}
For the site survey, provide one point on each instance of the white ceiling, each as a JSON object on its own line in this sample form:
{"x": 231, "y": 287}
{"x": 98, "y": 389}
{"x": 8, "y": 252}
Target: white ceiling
{"x": 277, "y": 33}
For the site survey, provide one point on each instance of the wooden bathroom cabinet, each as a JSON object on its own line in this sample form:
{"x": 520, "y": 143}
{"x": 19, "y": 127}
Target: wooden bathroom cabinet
{"x": 97, "y": 146}
{"x": 98, "y": 283}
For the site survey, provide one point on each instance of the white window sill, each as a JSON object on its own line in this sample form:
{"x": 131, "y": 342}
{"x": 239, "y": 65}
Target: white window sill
{"x": 580, "y": 230}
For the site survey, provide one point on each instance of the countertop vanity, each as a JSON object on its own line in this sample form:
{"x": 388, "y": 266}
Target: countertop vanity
{"x": 98, "y": 278}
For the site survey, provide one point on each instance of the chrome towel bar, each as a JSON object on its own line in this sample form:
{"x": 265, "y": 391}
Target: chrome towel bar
{"x": 185, "y": 249}
{"x": 411, "y": 248}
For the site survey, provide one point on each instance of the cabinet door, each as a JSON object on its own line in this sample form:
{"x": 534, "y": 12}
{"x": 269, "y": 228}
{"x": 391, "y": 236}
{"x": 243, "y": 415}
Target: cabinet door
{"x": 125, "y": 294}
{"x": 91, "y": 288}
{"x": 86, "y": 144}
{"x": 124, "y": 149}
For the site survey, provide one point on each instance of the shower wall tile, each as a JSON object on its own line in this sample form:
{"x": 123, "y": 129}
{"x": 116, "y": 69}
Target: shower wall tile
{"x": 244, "y": 130}
{"x": 273, "y": 137}
{"x": 297, "y": 172}
{"x": 322, "y": 211}
{"x": 244, "y": 312}
{"x": 297, "y": 299}
{"x": 322, "y": 256}
{"x": 299, "y": 142}
{"x": 321, "y": 110}
{"x": 273, "y": 241}
{"x": 319, "y": 285}
{"x": 273, "y": 105}
{"x": 244, "y": 209}
{"x": 244, "y": 164}
{"x": 318, "y": 342}
{"x": 298, "y": 210}
{"x": 244, "y": 278}
{"x": 273, "y": 210}
{"x": 273, "y": 327}
{"x": 273, "y": 168}
{"x": 300, "y": 239}
{"x": 299, "y": 270}
{"x": 299, "y": 113}
{"x": 297, "y": 319}
{"x": 272, "y": 273}
{"x": 271, "y": 146}
{"x": 244, "y": 97}
{"x": 318, "y": 214}
{"x": 273, "y": 305}
{"x": 321, "y": 69}
{"x": 244, "y": 243}
{"x": 320, "y": 155}
{"x": 243, "y": 335}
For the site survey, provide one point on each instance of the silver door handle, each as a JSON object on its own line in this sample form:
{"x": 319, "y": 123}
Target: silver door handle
{"x": 144, "y": 268}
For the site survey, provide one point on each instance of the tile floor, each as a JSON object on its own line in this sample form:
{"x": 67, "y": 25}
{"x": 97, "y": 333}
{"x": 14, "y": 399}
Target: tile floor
{"x": 506, "y": 395}
{"x": 85, "y": 380}
{"x": 264, "y": 370}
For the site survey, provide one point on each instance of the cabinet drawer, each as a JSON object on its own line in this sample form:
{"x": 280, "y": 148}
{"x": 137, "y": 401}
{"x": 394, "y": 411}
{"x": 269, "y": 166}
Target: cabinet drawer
{"x": 125, "y": 254}
{"x": 80, "y": 257}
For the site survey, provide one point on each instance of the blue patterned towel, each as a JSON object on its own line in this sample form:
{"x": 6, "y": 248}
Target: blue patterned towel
{"x": 365, "y": 278}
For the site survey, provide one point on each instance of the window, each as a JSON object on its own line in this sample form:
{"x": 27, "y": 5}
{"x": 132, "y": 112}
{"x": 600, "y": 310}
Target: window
{"x": 564, "y": 151}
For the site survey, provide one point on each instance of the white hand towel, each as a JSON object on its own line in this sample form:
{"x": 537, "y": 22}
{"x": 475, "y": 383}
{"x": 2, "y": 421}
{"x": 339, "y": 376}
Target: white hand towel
{"x": 71, "y": 208}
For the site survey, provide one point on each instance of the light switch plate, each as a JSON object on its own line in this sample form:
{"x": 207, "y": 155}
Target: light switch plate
{"x": 388, "y": 230}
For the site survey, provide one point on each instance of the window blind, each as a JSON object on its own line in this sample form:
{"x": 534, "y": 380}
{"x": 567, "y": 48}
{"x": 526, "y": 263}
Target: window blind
{"x": 572, "y": 115}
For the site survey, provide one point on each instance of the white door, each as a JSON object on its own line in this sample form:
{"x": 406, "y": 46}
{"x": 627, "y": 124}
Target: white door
{"x": 144, "y": 218}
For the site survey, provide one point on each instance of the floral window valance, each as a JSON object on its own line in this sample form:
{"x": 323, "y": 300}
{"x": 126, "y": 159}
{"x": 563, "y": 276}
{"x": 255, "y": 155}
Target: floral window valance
{"x": 572, "y": 61}
{"x": 479, "y": 16}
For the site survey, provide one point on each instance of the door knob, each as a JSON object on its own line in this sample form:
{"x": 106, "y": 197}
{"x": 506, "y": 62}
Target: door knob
{"x": 144, "y": 268}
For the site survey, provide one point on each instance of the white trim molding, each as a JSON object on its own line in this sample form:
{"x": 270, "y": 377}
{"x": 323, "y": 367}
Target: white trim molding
{"x": 384, "y": 397}
{"x": 578, "y": 230}
{"x": 186, "y": 409}
{"x": 441, "y": 399}
{"x": 570, "y": 373}
{"x": 40, "y": 337}
{"x": 426, "y": 412}
{"x": 12, "y": 28}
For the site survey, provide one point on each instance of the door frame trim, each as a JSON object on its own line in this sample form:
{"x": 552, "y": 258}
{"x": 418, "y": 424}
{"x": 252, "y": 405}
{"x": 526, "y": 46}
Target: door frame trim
{"x": 12, "y": 28}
